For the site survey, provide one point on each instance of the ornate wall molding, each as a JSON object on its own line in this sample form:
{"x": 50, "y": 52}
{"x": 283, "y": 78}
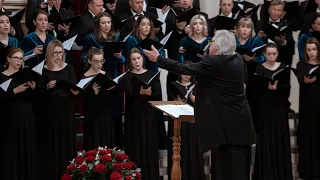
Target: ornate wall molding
{"x": 14, "y": 4}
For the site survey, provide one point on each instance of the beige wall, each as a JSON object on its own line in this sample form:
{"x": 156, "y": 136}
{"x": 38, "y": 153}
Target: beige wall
{"x": 16, "y": 5}
{"x": 211, "y": 7}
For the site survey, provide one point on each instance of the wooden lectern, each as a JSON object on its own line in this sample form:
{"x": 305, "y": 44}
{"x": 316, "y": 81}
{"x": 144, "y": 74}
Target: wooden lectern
{"x": 176, "y": 168}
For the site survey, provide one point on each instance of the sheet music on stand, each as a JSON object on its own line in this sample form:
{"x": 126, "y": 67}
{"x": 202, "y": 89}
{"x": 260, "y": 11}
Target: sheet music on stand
{"x": 177, "y": 110}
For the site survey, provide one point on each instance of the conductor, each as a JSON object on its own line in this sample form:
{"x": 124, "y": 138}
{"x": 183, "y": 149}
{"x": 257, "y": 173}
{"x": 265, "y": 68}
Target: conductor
{"x": 222, "y": 114}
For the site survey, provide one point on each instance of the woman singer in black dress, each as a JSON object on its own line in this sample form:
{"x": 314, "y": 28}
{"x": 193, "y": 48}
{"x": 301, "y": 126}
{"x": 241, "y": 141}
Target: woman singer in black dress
{"x": 141, "y": 123}
{"x": 18, "y": 134}
{"x": 58, "y": 123}
{"x": 191, "y": 156}
{"x": 98, "y": 122}
{"x": 273, "y": 153}
{"x": 309, "y": 115}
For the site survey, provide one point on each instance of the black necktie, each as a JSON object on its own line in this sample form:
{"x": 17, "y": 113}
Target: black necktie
{"x": 276, "y": 23}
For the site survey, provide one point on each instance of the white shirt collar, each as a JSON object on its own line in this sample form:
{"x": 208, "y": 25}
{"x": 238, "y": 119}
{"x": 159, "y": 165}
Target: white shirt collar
{"x": 49, "y": 9}
{"x": 238, "y": 0}
{"x": 91, "y": 13}
{"x": 318, "y": 10}
{"x": 134, "y": 14}
{"x": 2, "y": 10}
{"x": 274, "y": 21}
{"x": 229, "y": 16}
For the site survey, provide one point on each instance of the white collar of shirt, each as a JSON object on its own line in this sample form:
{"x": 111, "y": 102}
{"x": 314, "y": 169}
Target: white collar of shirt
{"x": 240, "y": 5}
{"x": 91, "y": 13}
{"x": 318, "y": 10}
{"x": 134, "y": 14}
{"x": 270, "y": 20}
{"x": 49, "y": 9}
{"x": 229, "y": 16}
{"x": 2, "y": 10}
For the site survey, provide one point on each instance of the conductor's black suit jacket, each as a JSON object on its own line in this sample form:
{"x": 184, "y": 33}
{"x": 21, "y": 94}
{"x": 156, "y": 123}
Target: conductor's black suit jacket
{"x": 222, "y": 113}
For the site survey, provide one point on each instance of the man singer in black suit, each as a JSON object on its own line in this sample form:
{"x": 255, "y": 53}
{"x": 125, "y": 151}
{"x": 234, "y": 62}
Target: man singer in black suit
{"x": 222, "y": 113}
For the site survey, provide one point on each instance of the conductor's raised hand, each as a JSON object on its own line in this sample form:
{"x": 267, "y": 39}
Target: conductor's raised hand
{"x": 153, "y": 54}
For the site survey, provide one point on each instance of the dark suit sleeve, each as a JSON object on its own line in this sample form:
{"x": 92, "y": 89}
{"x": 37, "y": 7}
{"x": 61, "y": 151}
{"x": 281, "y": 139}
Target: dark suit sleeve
{"x": 201, "y": 68}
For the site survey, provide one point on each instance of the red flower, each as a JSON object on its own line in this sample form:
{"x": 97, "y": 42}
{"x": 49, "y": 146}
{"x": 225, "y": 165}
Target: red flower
{"x": 121, "y": 157}
{"x": 103, "y": 152}
{"x": 66, "y": 177}
{"x": 100, "y": 168}
{"x": 115, "y": 176}
{"x": 127, "y": 165}
{"x": 137, "y": 177}
{"x": 128, "y": 178}
{"x": 88, "y": 153}
{"x": 118, "y": 167}
{"x": 109, "y": 151}
{"x": 134, "y": 166}
{"x": 83, "y": 168}
{"x": 106, "y": 158}
{"x": 89, "y": 159}
{"x": 79, "y": 160}
{"x": 70, "y": 168}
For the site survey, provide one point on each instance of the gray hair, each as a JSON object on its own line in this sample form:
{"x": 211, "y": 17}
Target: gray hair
{"x": 226, "y": 42}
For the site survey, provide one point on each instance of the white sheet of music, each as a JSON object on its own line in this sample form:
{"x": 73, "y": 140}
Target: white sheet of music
{"x": 6, "y": 84}
{"x": 38, "y": 68}
{"x": 165, "y": 39}
{"x": 177, "y": 110}
{"x": 68, "y": 43}
{"x": 119, "y": 77}
{"x": 84, "y": 81}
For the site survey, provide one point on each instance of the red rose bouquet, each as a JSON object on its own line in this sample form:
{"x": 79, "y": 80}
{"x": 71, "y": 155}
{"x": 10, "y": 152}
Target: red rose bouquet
{"x": 102, "y": 164}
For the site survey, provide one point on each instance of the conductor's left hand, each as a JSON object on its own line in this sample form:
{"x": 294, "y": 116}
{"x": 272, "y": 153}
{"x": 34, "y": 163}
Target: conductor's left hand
{"x": 153, "y": 54}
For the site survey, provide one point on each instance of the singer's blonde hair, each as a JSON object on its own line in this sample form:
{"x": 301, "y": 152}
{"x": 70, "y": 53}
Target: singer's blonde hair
{"x": 205, "y": 25}
{"x": 49, "y": 53}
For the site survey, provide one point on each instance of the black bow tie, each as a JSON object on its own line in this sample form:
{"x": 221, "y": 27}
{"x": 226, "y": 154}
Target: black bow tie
{"x": 276, "y": 23}
{"x": 240, "y": 2}
{"x": 95, "y": 19}
{"x": 137, "y": 15}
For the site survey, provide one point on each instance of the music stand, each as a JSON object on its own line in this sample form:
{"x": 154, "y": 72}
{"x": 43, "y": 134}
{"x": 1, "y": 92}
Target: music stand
{"x": 176, "y": 167}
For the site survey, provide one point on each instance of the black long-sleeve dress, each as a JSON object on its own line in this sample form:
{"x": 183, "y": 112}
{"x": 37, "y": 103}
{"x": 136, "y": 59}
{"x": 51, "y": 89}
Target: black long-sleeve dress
{"x": 273, "y": 153}
{"x": 141, "y": 126}
{"x": 191, "y": 156}
{"x": 309, "y": 127}
{"x": 98, "y": 129}
{"x": 18, "y": 134}
{"x": 58, "y": 144}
